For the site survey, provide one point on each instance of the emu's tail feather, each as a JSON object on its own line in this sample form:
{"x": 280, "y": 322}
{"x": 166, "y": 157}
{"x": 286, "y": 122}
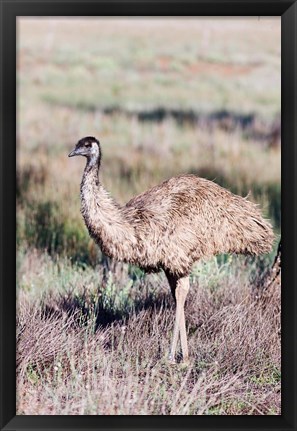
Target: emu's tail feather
{"x": 252, "y": 233}
{"x": 260, "y": 236}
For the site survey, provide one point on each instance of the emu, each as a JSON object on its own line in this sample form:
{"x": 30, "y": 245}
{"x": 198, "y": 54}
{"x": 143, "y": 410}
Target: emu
{"x": 169, "y": 227}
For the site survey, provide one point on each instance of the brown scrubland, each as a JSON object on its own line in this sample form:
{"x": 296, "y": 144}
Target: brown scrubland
{"x": 93, "y": 334}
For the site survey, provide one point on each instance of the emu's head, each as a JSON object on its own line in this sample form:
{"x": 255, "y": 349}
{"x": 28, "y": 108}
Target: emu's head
{"x": 88, "y": 147}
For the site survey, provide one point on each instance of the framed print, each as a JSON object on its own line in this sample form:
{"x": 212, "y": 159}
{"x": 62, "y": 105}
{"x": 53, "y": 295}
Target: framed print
{"x": 148, "y": 207}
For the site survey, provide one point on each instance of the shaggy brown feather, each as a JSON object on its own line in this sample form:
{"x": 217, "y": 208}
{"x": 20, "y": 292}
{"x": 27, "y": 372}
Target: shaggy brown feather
{"x": 174, "y": 224}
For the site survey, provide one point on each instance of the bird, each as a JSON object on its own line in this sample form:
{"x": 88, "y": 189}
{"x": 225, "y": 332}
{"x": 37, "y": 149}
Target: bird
{"x": 170, "y": 227}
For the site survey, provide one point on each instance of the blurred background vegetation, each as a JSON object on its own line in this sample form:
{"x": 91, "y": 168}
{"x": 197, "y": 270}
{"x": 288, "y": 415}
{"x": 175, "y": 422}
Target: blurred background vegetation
{"x": 165, "y": 96}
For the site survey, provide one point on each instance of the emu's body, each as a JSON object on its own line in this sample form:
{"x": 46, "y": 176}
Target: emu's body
{"x": 170, "y": 226}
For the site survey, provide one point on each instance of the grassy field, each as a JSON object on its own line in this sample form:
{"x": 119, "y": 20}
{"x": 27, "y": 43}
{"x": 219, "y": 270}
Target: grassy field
{"x": 164, "y": 97}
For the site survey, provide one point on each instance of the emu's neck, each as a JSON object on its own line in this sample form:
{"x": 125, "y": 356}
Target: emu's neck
{"x": 103, "y": 217}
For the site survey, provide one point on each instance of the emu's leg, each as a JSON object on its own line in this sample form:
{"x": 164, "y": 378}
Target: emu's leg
{"x": 179, "y": 290}
{"x": 182, "y": 326}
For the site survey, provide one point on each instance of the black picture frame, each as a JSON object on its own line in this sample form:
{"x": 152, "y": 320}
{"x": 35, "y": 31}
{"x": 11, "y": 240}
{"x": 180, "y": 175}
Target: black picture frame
{"x": 10, "y": 9}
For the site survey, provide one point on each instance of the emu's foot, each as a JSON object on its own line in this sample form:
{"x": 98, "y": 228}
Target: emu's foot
{"x": 171, "y": 359}
{"x": 182, "y": 362}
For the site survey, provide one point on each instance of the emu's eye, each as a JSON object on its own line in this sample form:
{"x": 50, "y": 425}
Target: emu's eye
{"x": 88, "y": 145}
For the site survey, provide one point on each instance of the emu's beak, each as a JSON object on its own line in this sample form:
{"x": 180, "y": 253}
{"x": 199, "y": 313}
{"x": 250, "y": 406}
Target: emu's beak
{"x": 73, "y": 153}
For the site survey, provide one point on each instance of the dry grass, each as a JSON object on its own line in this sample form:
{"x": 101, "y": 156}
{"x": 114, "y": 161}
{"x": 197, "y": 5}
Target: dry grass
{"x": 88, "y": 349}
